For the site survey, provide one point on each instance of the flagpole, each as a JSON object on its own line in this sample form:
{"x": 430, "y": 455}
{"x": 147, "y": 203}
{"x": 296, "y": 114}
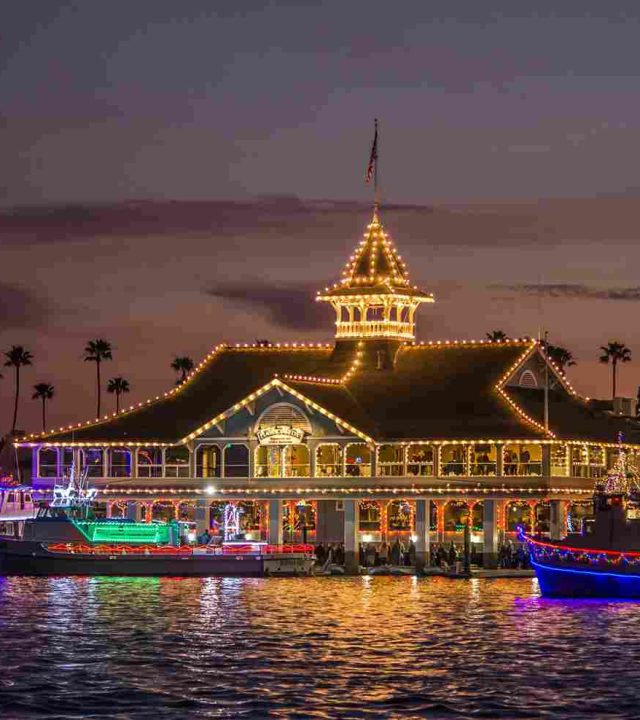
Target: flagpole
{"x": 375, "y": 170}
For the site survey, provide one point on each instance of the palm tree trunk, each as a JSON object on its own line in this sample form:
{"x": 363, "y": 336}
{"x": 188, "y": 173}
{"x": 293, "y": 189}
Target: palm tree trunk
{"x": 98, "y": 380}
{"x": 15, "y": 406}
{"x": 117, "y": 403}
{"x": 44, "y": 422}
{"x": 614, "y": 366}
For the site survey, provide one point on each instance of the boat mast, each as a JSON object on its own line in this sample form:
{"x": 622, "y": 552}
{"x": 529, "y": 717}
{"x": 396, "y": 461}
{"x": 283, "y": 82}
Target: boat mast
{"x": 546, "y": 381}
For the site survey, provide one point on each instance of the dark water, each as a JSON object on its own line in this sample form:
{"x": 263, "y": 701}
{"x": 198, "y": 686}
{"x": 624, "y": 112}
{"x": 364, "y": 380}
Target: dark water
{"x": 312, "y": 648}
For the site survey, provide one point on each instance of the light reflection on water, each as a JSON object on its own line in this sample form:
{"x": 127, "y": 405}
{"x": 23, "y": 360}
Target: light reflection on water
{"x": 311, "y": 648}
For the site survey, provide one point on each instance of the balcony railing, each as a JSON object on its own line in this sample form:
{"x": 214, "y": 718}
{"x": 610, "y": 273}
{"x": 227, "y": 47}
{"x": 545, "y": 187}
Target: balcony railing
{"x": 375, "y": 328}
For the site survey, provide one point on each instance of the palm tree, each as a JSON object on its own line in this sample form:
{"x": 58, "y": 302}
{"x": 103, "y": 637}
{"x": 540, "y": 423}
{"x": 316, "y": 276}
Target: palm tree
{"x": 44, "y": 392}
{"x": 560, "y": 356}
{"x": 183, "y": 365}
{"x": 615, "y": 352}
{"x": 17, "y": 357}
{"x": 497, "y": 336}
{"x": 96, "y": 351}
{"x": 118, "y": 385}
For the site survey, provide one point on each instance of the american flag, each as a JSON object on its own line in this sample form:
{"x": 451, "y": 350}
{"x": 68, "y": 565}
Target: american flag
{"x": 373, "y": 158}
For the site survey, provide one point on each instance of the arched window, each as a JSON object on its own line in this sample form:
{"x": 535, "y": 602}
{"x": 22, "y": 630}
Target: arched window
{"x": 453, "y": 459}
{"x": 559, "y": 464}
{"x": 236, "y": 460}
{"x": 518, "y": 513}
{"x": 420, "y": 460}
{"x": 119, "y": 463}
{"x": 578, "y": 512}
{"x": 542, "y": 517}
{"x": 150, "y": 462}
{"x": 250, "y": 514}
{"x": 358, "y": 460}
{"x": 187, "y": 511}
{"x": 522, "y": 459}
{"x": 369, "y": 515}
{"x": 268, "y": 461}
{"x": 391, "y": 460}
{"x": 328, "y": 460}
{"x": 528, "y": 379}
{"x": 216, "y": 517}
{"x": 284, "y": 414}
{"x": 118, "y": 509}
{"x": 47, "y": 462}
{"x": 483, "y": 459}
{"x": 399, "y": 516}
{"x": 176, "y": 462}
{"x": 598, "y": 461}
{"x": 208, "y": 461}
{"x": 456, "y": 513}
{"x": 477, "y": 517}
{"x": 296, "y": 461}
{"x": 93, "y": 462}
{"x": 163, "y": 510}
{"x": 433, "y": 516}
{"x": 66, "y": 460}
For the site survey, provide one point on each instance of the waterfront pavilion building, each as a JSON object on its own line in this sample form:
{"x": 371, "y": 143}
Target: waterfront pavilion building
{"x": 373, "y": 437}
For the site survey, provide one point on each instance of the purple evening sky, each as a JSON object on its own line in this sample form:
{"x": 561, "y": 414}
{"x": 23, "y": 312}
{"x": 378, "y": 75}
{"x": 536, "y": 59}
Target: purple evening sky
{"x": 165, "y": 167}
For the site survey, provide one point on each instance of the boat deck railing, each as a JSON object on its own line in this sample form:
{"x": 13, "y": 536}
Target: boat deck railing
{"x": 180, "y": 551}
{"x": 542, "y": 551}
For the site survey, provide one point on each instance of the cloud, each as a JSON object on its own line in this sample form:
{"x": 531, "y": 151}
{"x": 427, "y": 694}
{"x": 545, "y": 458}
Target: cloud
{"x": 573, "y": 290}
{"x": 288, "y": 306}
{"x": 20, "y": 308}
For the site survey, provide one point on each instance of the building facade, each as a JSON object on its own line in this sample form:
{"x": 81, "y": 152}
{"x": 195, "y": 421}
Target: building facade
{"x": 373, "y": 437}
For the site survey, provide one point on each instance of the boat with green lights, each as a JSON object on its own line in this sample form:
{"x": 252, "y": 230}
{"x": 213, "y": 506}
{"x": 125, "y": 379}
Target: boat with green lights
{"x": 65, "y": 538}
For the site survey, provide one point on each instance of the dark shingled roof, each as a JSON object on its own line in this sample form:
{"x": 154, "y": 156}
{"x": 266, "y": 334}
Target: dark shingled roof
{"x": 437, "y": 392}
{"x": 572, "y": 418}
{"x": 226, "y": 379}
{"x": 433, "y": 391}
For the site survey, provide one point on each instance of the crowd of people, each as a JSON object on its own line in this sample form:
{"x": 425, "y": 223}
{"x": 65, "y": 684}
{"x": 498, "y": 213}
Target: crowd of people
{"x": 398, "y": 553}
{"x": 330, "y": 554}
{"x": 512, "y": 555}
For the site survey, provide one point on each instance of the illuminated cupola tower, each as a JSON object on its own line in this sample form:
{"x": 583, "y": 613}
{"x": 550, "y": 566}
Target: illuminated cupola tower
{"x": 374, "y": 299}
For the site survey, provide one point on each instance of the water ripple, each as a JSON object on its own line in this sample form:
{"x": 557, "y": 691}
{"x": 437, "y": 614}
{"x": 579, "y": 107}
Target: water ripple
{"x": 311, "y": 648}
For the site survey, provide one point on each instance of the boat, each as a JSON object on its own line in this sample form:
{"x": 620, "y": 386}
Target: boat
{"x": 601, "y": 559}
{"x": 65, "y": 538}
{"x": 16, "y": 506}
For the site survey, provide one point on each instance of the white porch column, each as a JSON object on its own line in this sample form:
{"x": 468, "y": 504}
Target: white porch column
{"x": 423, "y": 516}
{"x": 275, "y": 522}
{"x": 557, "y": 520}
{"x": 351, "y": 548}
{"x": 490, "y": 531}
{"x": 134, "y": 461}
{"x": 546, "y": 462}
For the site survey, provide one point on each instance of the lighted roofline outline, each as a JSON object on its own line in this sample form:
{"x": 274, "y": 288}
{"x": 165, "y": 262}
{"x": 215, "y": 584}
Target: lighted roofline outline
{"x": 392, "y": 490}
{"x": 202, "y": 365}
{"x": 275, "y": 382}
{"x": 39, "y": 439}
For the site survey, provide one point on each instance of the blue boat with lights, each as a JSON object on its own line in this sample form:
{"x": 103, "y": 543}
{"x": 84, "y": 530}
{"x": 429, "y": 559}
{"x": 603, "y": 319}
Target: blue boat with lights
{"x": 603, "y": 559}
